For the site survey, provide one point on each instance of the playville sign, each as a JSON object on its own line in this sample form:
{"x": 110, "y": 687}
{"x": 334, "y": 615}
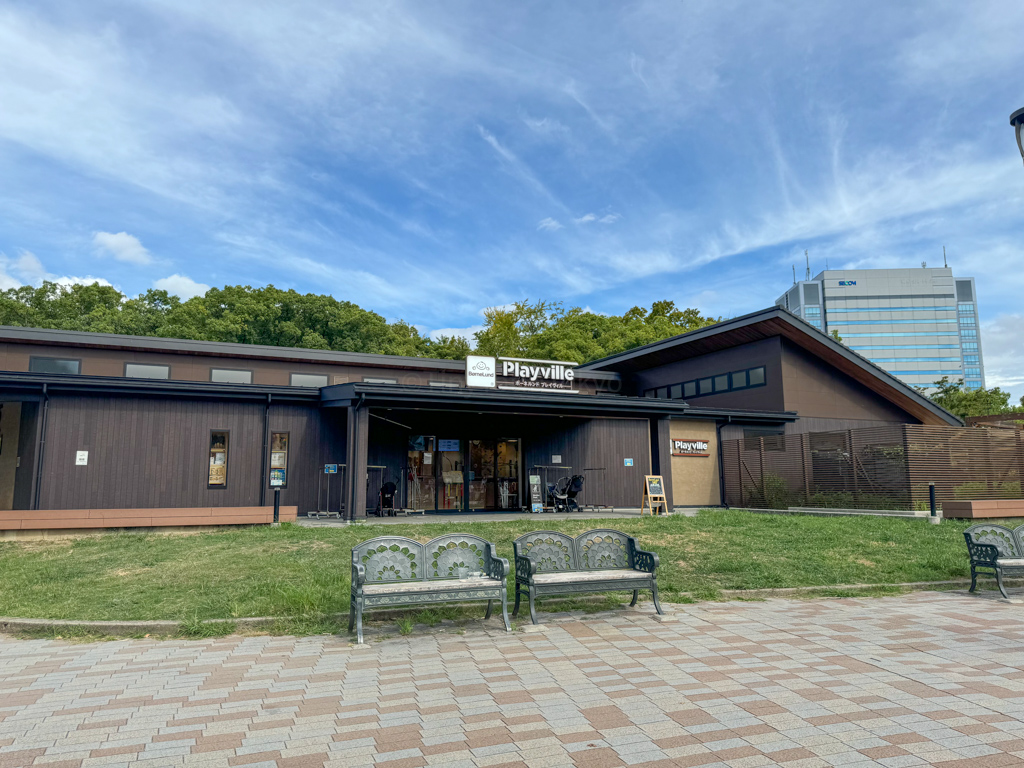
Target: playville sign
{"x": 519, "y": 373}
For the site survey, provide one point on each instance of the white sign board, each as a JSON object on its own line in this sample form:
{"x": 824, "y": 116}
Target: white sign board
{"x": 81, "y": 458}
{"x": 481, "y": 372}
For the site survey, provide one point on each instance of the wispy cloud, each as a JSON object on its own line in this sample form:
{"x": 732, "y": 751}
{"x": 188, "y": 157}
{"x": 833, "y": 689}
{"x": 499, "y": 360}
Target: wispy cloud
{"x": 548, "y": 225}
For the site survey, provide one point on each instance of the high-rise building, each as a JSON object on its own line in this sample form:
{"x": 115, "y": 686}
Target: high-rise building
{"x": 917, "y": 324}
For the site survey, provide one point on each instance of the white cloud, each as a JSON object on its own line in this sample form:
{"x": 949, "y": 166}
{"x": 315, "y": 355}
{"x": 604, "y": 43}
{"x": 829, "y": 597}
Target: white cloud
{"x": 586, "y": 218}
{"x": 548, "y": 225}
{"x": 123, "y": 247}
{"x": 27, "y": 269}
{"x": 181, "y": 286}
{"x": 610, "y": 218}
{"x": 466, "y": 333}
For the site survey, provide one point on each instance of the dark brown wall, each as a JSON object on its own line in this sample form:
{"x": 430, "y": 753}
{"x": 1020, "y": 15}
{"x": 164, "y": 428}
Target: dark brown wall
{"x": 316, "y": 437}
{"x": 196, "y": 367}
{"x": 153, "y": 452}
{"x": 767, "y": 352}
{"x": 828, "y": 399}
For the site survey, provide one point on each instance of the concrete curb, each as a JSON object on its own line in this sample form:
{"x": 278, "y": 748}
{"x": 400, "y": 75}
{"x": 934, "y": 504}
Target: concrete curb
{"x": 259, "y": 622}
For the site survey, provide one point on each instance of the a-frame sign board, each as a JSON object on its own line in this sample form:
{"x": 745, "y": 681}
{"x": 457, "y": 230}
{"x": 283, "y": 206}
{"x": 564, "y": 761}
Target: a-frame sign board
{"x": 653, "y": 501}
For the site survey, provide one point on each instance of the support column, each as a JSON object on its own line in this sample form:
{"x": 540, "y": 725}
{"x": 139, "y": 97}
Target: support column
{"x": 661, "y": 454}
{"x": 356, "y": 450}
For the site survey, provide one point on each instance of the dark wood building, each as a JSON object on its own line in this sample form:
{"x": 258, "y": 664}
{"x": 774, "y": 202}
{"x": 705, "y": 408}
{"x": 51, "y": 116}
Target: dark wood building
{"x": 98, "y": 421}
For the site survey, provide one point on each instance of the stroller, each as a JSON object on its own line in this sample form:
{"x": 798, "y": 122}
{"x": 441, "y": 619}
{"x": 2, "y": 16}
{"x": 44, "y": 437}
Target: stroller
{"x": 386, "y": 499}
{"x": 564, "y": 491}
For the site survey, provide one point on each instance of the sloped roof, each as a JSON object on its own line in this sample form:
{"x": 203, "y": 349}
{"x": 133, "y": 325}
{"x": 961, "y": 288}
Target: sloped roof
{"x": 769, "y": 323}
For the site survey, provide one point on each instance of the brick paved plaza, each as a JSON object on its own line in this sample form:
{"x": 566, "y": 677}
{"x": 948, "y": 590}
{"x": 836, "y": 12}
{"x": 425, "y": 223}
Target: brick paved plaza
{"x": 929, "y": 678}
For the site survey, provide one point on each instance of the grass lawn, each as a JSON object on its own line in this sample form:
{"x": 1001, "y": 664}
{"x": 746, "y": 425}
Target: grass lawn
{"x": 303, "y": 573}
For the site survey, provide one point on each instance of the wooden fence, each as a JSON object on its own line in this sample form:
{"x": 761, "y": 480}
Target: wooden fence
{"x": 873, "y": 468}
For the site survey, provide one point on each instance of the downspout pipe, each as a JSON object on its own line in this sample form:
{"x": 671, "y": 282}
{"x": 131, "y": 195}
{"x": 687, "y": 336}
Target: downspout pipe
{"x": 721, "y": 465}
{"x": 42, "y": 448}
{"x": 266, "y": 438}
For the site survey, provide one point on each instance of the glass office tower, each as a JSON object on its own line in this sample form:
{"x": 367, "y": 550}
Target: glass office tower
{"x": 917, "y": 324}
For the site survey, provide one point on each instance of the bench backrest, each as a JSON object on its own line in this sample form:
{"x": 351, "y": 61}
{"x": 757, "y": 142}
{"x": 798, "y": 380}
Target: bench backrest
{"x": 602, "y": 550}
{"x": 446, "y": 556}
{"x": 391, "y": 558}
{"x": 1003, "y": 539}
{"x": 599, "y": 550}
{"x": 550, "y": 550}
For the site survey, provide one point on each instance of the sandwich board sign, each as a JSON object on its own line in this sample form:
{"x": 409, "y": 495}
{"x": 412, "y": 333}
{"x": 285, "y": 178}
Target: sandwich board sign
{"x": 536, "y": 495}
{"x": 654, "y": 501}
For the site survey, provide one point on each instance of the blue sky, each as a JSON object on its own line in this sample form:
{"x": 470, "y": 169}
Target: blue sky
{"x": 426, "y": 160}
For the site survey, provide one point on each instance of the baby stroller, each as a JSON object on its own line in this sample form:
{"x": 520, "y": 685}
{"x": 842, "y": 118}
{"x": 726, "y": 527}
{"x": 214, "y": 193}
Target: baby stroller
{"x": 386, "y": 499}
{"x": 564, "y": 492}
{"x": 574, "y": 488}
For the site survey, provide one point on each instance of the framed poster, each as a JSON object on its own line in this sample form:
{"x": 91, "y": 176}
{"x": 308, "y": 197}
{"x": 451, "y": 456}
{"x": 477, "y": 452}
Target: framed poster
{"x": 277, "y": 478}
{"x": 279, "y": 459}
{"x": 218, "y": 473}
{"x": 448, "y": 445}
{"x": 655, "y": 485}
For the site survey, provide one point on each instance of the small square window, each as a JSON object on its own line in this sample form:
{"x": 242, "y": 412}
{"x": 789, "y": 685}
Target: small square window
{"x": 706, "y": 386}
{"x": 309, "y": 379}
{"x": 141, "y": 371}
{"x": 690, "y": 389}
{"x": 739, "y": 379}
{"x": 53, "y": 365}
{"x": 230, "y": 376}
{"x": 756, "y": 376}
{"x": 651, "y": 393}
{"x": 663, "y": 393}
{"x": 675, "y": 392}
{"x": 722, "y": 383}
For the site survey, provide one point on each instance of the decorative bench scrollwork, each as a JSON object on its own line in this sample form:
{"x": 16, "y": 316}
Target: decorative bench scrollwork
{"x": 604, "y": 560}
{"x": 393, "y": 570}
{"x": 996, "y": 549}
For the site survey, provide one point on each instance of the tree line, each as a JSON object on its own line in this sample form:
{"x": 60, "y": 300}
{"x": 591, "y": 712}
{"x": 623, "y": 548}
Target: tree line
{"x": 285, "y": 318}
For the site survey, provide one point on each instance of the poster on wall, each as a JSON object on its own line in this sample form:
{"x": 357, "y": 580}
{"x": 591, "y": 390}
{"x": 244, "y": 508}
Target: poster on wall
{"x": 278, "y": 459}
{"x": 277, "y": 477}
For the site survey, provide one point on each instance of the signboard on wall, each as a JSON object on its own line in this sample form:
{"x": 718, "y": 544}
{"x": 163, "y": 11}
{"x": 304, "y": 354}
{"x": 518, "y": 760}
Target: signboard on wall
{"x": 688, "y": 447}
{"x": 515, "y": 373}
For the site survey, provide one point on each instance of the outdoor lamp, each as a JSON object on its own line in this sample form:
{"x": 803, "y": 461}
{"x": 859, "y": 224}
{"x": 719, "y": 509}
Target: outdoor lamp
{"x": 1017, "y": 121}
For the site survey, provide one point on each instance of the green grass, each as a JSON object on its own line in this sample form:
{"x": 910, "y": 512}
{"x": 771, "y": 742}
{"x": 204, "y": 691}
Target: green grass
{"x": 302, "y": 574}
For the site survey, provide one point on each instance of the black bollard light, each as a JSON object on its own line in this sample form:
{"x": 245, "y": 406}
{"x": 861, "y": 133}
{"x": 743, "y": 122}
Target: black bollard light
{"x": 277, "y": 505}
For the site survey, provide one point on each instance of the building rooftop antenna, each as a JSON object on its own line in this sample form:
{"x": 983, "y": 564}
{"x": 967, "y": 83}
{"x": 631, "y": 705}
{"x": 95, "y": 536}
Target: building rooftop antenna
{"x": 808, "y": 258}
{"x": 794, "y": 274}
{"x": 944, "y": 257}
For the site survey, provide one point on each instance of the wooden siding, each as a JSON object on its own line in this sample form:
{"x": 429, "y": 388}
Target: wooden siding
{"x": 316, "y": 437}
{"x": 71, "y": 519}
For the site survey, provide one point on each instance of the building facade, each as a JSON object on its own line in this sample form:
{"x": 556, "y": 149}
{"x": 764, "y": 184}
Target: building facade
{"x": 917, "y": 324}
{"x": 99, "y": 422}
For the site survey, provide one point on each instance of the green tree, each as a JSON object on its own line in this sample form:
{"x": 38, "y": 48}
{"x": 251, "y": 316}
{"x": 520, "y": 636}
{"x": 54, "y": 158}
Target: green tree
{"x": 448, "y": 348}
{"x": 963, "y": 402}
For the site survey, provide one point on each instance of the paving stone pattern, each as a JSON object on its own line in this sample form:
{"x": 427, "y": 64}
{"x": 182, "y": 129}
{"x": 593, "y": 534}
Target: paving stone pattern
{"x": 926, "y": 679}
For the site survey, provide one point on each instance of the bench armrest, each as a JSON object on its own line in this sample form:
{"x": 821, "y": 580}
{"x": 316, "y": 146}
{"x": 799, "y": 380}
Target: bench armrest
{"x": 982, "y": 553}
{"x": 358, "y": 576}
{"x": 645, "y": 561}
{"x": 525, "y": 568}
{"x": 496, "y": 567}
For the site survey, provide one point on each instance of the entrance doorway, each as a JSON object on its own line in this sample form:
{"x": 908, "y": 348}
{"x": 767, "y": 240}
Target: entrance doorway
{"x": 463, "y": 475}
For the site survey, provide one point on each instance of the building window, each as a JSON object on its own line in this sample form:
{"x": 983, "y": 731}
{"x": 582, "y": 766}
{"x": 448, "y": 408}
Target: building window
{"x": 372, "y": 380}
{"x": 972, "y": 371}
{"x": 309, "y": 380}
{"x": 54, "y": 365}
{"x": 141, "y": 371}
{"x": 218, "y": 459}
{"x": 705, "y": 386}
{"x": 230, "y": 376}
{"x": 972, "y": 384}
{"x": 970, "y": 345}
{"x": 722, "y": 383}
{"x": 968, "y": 320}
{"x": 739, "y": 380}
{"x": 966, "y": 308}
{"x": 279, "y": 459}
{"x": 969, "y": 333}
{"x": 689, "y": 389}
{"x": 812, "y": 311}
{"x": 756, "y": 376}
{"x": 971, "y": 359}
{"x": 675, "y": 392}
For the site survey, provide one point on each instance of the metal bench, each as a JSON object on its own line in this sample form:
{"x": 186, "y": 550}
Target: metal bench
{"x": 393, "y": 570}
{"x": 997, "y": 549}
{"x": 552, "y": 563}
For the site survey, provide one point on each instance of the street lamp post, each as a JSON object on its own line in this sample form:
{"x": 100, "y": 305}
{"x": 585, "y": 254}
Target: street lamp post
{"x": 1017, "y": 121}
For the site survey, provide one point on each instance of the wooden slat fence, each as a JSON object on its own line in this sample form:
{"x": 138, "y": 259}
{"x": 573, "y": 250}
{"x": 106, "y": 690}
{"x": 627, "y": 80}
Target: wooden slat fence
{"x": 886, "y": 467}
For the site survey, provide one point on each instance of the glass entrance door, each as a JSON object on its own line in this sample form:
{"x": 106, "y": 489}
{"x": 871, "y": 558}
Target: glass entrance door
{"x": 421, "y": 486}
{"x": 494, "y": 474}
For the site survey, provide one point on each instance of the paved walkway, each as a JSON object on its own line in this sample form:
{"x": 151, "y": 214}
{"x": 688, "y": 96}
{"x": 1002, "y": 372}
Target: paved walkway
{"x": 929, "y": 678}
